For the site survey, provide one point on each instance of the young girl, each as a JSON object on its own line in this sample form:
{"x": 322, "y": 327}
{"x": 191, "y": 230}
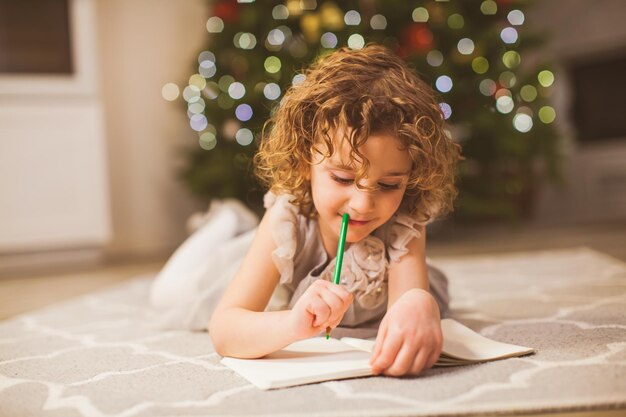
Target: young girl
{"x": 361, "y": 135}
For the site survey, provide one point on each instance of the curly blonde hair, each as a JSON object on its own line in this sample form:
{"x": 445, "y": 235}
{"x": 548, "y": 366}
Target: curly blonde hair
{"x": 370, "y": 90}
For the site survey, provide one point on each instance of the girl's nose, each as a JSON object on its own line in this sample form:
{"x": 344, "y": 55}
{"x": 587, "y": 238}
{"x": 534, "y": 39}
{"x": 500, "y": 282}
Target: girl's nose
{"x": 362, "y": 201}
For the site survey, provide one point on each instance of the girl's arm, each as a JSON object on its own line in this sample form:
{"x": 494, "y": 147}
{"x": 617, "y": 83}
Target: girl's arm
{"x": 410, "y": 271}
{"x": 239, "y": 318}
{"x": 241, "y": 328}
{"x": 409, "y": 338}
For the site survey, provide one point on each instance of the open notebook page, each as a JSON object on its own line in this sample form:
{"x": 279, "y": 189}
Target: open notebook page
{"x": 318, "y": 359}
{"x": 303, "y": 362}
{"x": 467, "y": 346}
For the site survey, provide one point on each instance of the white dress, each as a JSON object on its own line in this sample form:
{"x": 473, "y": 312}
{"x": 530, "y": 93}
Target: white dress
{"x": 191, "y": 283}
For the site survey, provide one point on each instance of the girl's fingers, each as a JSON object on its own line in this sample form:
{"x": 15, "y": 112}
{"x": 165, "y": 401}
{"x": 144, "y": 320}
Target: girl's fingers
{"x": 325, "y": 304}
{"x": 319, "y": 310}
{"x": 404, "y": 360}
{"x": 333, "y": 301}
{"x": 388, "y": 353}
{"x": 432, "y": 359}
{"x": 337, "y": 299}
{"x": 419, "y": 363}
{"x": 338, "y": 290}
{"x": 378, "y": 344}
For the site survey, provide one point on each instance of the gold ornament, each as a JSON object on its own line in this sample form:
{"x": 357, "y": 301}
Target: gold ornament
{"x": 294, "y": 7}
{"x": 332, "y": 16}
{"x": 310, "y": 25}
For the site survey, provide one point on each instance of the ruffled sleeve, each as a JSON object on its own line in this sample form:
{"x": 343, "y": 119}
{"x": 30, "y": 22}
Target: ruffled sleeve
{"x": 363, "y": 273}
{"x": 284, "y": 227}
{"x": 401, "y": 230}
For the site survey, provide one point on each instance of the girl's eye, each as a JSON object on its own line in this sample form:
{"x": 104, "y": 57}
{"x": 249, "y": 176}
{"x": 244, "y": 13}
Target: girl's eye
{"x": 388, "y": 187}
{"x": 341, "y": 180}
{"x": 382, "y": 186}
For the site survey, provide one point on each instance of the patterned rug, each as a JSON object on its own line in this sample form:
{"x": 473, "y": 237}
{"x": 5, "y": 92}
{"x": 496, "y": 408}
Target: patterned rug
{"x": 102, "y": 355}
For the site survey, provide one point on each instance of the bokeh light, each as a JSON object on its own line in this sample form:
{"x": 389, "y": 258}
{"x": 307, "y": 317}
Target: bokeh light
{"x": 547, "y": 114}
{"x": 489, "y": 7}
{"x": 446, "y": 110}
{"x": 378, "y": 22}
{"x": 198, "y": 122}
{"x": 243, "y": 112}
{"x": 511, "y": 59}
{"x": 504, "y": 102}
{"x": 352, "y": 18}
{"x": 170, "y": 91}
{"x": 207, "y": 68}
{"x": 507, "y": 79}
{"x": 420, "y": 14}
{"x": 191, "y": 94}
{"x": 280, "y": 12}
{"x": 197, "y": 107}
{"x": 465, "y": 46}
{"x": 509, "y": 35}
{"x": 434, "y": 58}
{"x": 207, "y": 141}
{"x": 272, "y": 64}
{"x": 456, "y": 21}
{"x": 276, "y": 37}
{"x": 206, "y": 56}
{"x": 214, "y": 25}
{"x": 244, "y": 137}
{"x": 236, "y": 90}
{"x": 356, "y": 41}
{"x": 545, "y": 78}
{"x": 271, "y": 91}
{"x": 480, "y": 65}
{"x": 522, "y": 122}
{"x": 443, "y": 83}
{"x": 487, "y": 87}
{"x": 298, "y": 79}
{"x": 197, "y": 81}
{"x": 328, "y": 40}
{"x": 244, "y": 40}
{"x": 528, "y": 93}
{"x": 225, "y": 82}
{"x": 515, "y": 17}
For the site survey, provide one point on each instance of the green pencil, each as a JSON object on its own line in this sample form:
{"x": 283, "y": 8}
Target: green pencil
{"x": 339, "y": 259}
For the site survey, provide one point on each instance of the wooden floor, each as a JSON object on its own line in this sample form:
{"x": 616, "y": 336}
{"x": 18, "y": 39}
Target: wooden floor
{"x": 24, "y": 293}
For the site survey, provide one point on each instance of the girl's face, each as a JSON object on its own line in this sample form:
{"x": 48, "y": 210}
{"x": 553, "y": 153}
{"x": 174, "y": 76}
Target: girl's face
{"x": 334, "y": 191}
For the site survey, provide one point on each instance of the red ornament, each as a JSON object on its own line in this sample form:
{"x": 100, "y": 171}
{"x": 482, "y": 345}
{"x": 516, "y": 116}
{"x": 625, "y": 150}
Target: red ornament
{"x": 227, "y": 10}
{"x": 416, "y": 37}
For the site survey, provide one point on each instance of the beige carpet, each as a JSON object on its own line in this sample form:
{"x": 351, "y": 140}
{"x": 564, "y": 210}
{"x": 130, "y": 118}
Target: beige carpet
{"x": 101, "y": 355}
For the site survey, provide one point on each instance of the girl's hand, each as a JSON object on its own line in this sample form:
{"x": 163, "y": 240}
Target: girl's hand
{"x": 322, "y": 305}
{"x": 409, "y": 338}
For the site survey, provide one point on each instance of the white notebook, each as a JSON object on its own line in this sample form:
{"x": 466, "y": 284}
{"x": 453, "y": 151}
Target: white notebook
{"x": 318, "y": 359}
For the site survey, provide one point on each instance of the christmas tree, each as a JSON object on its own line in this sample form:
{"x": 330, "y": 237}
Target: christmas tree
{"x": 478, "y": 55}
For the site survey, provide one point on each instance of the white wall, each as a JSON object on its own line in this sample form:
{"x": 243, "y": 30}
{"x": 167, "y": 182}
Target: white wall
{"x": 54, "y": 195}
{"x": 595, "y": 174}
{"x": 143, "y": 45}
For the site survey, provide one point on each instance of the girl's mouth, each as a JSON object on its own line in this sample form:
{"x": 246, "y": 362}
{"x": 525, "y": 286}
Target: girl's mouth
{"x": 358, "y": 223}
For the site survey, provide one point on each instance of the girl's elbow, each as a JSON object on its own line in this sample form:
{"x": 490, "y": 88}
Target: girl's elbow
{"x": 219, "y": 348}
{"x": 217, "y": 337}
